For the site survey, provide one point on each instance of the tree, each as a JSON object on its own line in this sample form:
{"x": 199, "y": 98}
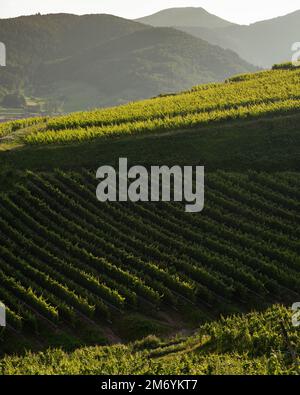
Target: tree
{"x": 13, "y": 100}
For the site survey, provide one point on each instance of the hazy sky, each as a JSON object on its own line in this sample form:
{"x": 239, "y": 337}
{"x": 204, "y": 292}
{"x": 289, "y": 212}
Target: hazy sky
{"x": 233, "y": 10}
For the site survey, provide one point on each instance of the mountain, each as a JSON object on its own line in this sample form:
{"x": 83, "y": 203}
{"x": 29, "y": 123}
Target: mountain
{"x": 59, "y": 35}
{"x": 32, "y": 40}
{"x": 142, "y": 64}
{"x": 262, "y": 43}
{"x": 188, "y": 16}
{"x": 98, "y": 60}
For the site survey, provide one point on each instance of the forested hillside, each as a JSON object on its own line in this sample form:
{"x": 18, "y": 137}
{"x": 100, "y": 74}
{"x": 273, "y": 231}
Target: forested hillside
{"x": 32, "y": 40}
{"x": 80, "y": 62}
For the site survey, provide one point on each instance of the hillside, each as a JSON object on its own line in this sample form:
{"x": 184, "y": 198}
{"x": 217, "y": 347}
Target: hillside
{"x": 139, "y": 65}
{"x": 263, "y": 43}
{"x": 79, "y": 62}
{"x": 218, "y": 348}
{"x": 32, "y": 40}
{"x": 249, "y": 96}
{"x": 70, "y": 261}
{"x": 76, "y": 272}
{"x": 187, "y": 16}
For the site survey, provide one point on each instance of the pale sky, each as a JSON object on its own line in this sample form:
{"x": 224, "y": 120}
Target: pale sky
{"x": 238, "y": 11}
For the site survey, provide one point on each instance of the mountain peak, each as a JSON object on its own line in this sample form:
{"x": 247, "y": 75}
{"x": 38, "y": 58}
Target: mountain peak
{"x": 186, "y": 16}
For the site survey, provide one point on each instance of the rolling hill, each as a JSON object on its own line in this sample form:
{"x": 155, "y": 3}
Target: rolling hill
{"x": 75, "y": 272}
{"x": 82, "y": 62}
{"x": 263, "y": 43}
{"x": 251, "y": 96}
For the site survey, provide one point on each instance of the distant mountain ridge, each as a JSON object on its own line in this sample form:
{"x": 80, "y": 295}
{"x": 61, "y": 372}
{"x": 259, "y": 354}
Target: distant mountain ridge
{"x": 188, "y": 16}
{"x": 98, "y": 60}
{"x": 262, "y": 43}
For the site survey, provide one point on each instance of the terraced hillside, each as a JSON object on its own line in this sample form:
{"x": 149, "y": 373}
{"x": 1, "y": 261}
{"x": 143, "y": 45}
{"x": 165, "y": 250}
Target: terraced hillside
{"x": 77, "y": 272}
{"x": 248, "y": 96}
{"x": 262, "y": 94}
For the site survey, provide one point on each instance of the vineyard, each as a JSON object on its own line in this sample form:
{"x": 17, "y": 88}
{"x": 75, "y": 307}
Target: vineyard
{"x": 9, "y": 127}
{"x": 247, "y": 345}
{"x": 247, "y": 96}
{"x": 76, "y": 273}
{"x": 259, "y": 95}
{"x": 66, "y": 258}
